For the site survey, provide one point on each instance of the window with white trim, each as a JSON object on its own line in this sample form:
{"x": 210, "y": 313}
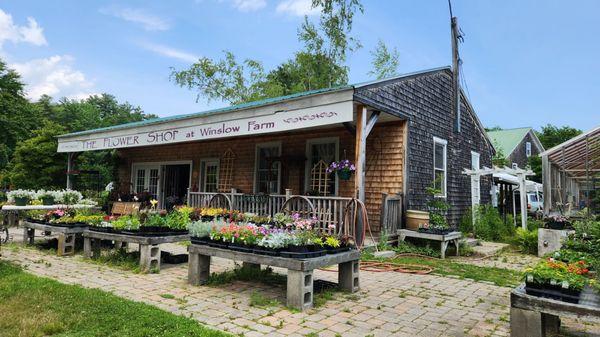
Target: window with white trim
{"x": 267, "y": 168}
{"x": 528, "y": 149}
{"x": 210, "y": 175}
{"x": 439, "y": 166}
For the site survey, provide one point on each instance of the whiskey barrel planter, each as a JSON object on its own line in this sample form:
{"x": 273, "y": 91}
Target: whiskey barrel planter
{"x": 415, "y": 218}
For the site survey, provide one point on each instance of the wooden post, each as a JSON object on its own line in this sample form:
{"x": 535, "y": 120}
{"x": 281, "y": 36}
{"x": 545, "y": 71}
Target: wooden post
{"x": 523, "y": 197}
{"x": 288, "y": 193}
{"x": 360, "y": 153}
{"x": 546, "y": 182}
{"x": 69, "y": 169}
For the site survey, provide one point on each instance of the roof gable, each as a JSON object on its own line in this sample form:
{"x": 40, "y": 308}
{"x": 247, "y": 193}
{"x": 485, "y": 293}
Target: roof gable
{"x": 507, "y": 140}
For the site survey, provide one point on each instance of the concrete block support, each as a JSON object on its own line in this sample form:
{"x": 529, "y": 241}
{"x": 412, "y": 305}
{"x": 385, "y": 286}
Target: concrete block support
{"x": 66, "y": 244}
{"x": 198, "y": 268}
{"x": 527, "y": 323}
{"x": 28, "y": 236}
{"x": 550, "y": 240}
{"x": 348, "y": 276}
{"x": 149, "y": 257}
{"x": 300, "y": 289}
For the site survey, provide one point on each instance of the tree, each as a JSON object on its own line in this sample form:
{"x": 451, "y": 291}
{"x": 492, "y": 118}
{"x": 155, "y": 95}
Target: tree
{"x": 319, "y": 65}
{"x": 17, "y": 118}
{"x": 385, "y": 62}
{"x": 36, "y": 164}
{"x": 550, "y": 136}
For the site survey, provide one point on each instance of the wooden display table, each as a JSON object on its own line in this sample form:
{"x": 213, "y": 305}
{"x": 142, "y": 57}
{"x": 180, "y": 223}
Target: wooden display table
{"x": 445, "y": 239}
{"x": 66, "y": 235}
{"x": 149, "y": 245}
{"x": 533, "y": 316}
{"x": 299, "y": 271}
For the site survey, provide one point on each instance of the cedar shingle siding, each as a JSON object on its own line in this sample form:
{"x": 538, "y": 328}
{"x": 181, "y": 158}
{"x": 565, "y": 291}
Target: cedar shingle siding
{"x": 426, "y": 100}
{"x": 519, "y": 155}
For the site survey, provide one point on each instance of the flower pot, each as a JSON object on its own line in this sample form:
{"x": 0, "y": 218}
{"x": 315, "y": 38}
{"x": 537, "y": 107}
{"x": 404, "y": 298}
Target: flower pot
{"x": 556, "y": 225}
{"x": 344, "y": 175}
{"x": 21, "y": 201}
{"x": 414, "y": 218}
{"x": 48, "y": 200}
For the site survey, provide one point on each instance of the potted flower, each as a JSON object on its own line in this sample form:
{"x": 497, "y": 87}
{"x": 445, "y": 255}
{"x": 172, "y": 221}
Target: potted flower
{"x": 273, "y": 242}
{"x": 48, "y": 197}
{"x": 20, "y": 197}
{"x": 344, "y": 168}
{"x": 200, "y": 232}
{"x": 558, "y": 222}
{"x": 70, "y": 197}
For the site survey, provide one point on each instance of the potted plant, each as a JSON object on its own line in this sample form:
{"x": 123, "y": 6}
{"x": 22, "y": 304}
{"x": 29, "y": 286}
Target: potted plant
{"x": 20, "y": 197}
{"x": 558, "y": 222}
{"x": 70, "y": 197}
{"x": 272, "y": 243}
{"x": 343, "y": 168}
{"x": 48, "y": 197}
{"x": 557, "y": 280}
{"x": 200, "y": 232}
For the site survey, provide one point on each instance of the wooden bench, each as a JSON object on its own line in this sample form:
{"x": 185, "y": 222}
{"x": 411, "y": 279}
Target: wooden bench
{"x": 533, "y": 316}
{"x": 125, "y": 208}
{"x": 66, "y": 235}
{"x": 299, "y": 272}
{"x": 444, "y": 239}
{"x": 149, "y": 246}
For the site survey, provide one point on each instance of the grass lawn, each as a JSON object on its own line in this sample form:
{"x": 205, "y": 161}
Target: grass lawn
{"x": 499, "y": 276}
{"x": 36, "y": 306}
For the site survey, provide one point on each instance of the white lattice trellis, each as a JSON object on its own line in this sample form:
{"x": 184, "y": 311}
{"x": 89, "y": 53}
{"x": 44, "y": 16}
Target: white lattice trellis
{"x": 226, "y": 174}
{"x": 319, "y": 178}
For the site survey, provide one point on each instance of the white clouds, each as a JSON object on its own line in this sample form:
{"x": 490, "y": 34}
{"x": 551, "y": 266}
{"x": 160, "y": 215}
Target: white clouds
{"x": 53, "y": 76}
{"x": 170, "y": 52}
{"x": 297, "y": 7}
{"x": 31, "y": 33}
{"x": 248, "y": 5}
{"x": 148, "y": 21}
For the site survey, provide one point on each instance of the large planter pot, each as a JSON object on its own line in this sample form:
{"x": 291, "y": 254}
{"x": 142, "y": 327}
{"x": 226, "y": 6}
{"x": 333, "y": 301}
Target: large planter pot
{"x": 48, "y": 200}
{"x": 344, "y": 175}
{"x": 415, "y": 218}
{"x": 21, "y": 201}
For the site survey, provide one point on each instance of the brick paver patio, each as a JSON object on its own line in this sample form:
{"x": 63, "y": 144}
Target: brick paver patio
{"x": 389, "y": 304}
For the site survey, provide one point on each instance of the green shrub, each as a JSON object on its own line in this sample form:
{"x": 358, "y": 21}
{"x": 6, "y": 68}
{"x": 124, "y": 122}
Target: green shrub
{"x": 408, "y": 248}
{"x": 489, "y": 224}
{"x": 526, "y": 240}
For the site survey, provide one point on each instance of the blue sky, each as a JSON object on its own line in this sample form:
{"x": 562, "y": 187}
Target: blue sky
{"x": 526, "y": 63}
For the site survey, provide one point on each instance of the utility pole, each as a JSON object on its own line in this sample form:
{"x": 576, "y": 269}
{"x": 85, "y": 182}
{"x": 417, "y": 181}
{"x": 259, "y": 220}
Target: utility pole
{"x": 456, "y": 62}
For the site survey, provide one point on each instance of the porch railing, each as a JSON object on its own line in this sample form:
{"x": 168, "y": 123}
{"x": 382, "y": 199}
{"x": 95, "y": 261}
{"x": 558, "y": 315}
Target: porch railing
{"x": 329, "y": 210}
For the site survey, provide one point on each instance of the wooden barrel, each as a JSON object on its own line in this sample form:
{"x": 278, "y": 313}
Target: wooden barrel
{"x": 414, "y": 218}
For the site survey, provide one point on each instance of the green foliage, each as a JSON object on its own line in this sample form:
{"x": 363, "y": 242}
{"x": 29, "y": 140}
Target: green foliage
{"x": 526, "y": 240}
{"x": 489, "y": 225}
{"x": 69, "y": 310}
{"x": 319, "y": 65}
{"x": 409, "y": 248}
{"x": 551, "y": 135}
{"x": 385, "y": 62}
{"x": 36, "y": 163}
{"x": 535, "y": 163}
{"x": 499, "y": 158}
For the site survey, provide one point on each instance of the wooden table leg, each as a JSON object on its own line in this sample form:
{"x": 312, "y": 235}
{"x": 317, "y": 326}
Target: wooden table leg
{"x": 299, "y": 289}
{"x": 348, "y": 276}
{"x": 443, "y": 247}
{"x": 149, "y": 258}
{"x": 198, "y": 268}
{"x": 457, "y": 242}
{"x": 87, "y": 247}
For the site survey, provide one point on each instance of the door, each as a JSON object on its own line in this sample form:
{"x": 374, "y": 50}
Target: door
{"x": 146, "y": 178}
{"x": 175, "y": 185}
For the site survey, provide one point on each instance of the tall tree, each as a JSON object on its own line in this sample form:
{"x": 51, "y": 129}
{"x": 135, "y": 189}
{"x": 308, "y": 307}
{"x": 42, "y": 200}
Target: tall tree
{"x": 551, "y": 135}
{"x": 385, "y": 62}
{"x": 319, "y": 65}
{"x": 17, "y": 118}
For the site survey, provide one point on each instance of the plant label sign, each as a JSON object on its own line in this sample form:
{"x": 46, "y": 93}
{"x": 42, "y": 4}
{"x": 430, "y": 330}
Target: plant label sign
{"x": 198, "y": 128}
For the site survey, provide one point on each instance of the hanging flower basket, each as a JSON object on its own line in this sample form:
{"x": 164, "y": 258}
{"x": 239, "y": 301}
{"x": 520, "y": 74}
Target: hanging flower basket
{"x": 344, "y": 175}
{"x": 343, "y": 168}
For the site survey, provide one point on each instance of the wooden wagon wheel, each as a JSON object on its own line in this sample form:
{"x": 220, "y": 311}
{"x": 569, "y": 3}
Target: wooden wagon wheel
{"x": 220, "y": 200}
{"x": 350, "y": 221}
{"x": 299, "y": 204}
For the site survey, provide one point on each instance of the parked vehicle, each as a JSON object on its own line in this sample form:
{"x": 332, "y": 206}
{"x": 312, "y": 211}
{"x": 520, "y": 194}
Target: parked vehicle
{"x": 535, "y": 202}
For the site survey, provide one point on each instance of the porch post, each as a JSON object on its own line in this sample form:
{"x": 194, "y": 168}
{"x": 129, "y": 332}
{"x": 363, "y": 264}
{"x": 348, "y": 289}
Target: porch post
{"x": 546, "y": 183}
{"x": 523, "y": 197}
{"x": 360, "y": 153}
{"x": 70, "y": 166}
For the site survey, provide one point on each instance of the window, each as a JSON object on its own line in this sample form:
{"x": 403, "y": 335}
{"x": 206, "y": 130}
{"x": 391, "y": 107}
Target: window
{"x": 474, "y": 160}
{"x": 146, "y": 179}
{"x": 210, "y": 175}
{"x": 325, "y": 149}
{"x": 528, "y": 149}
{"x": 439, "y": 166}
{"x": 268, "y": 168}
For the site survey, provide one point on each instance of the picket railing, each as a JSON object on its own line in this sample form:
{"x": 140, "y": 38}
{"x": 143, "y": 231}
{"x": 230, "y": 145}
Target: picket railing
{"x": 329, "y": 210}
